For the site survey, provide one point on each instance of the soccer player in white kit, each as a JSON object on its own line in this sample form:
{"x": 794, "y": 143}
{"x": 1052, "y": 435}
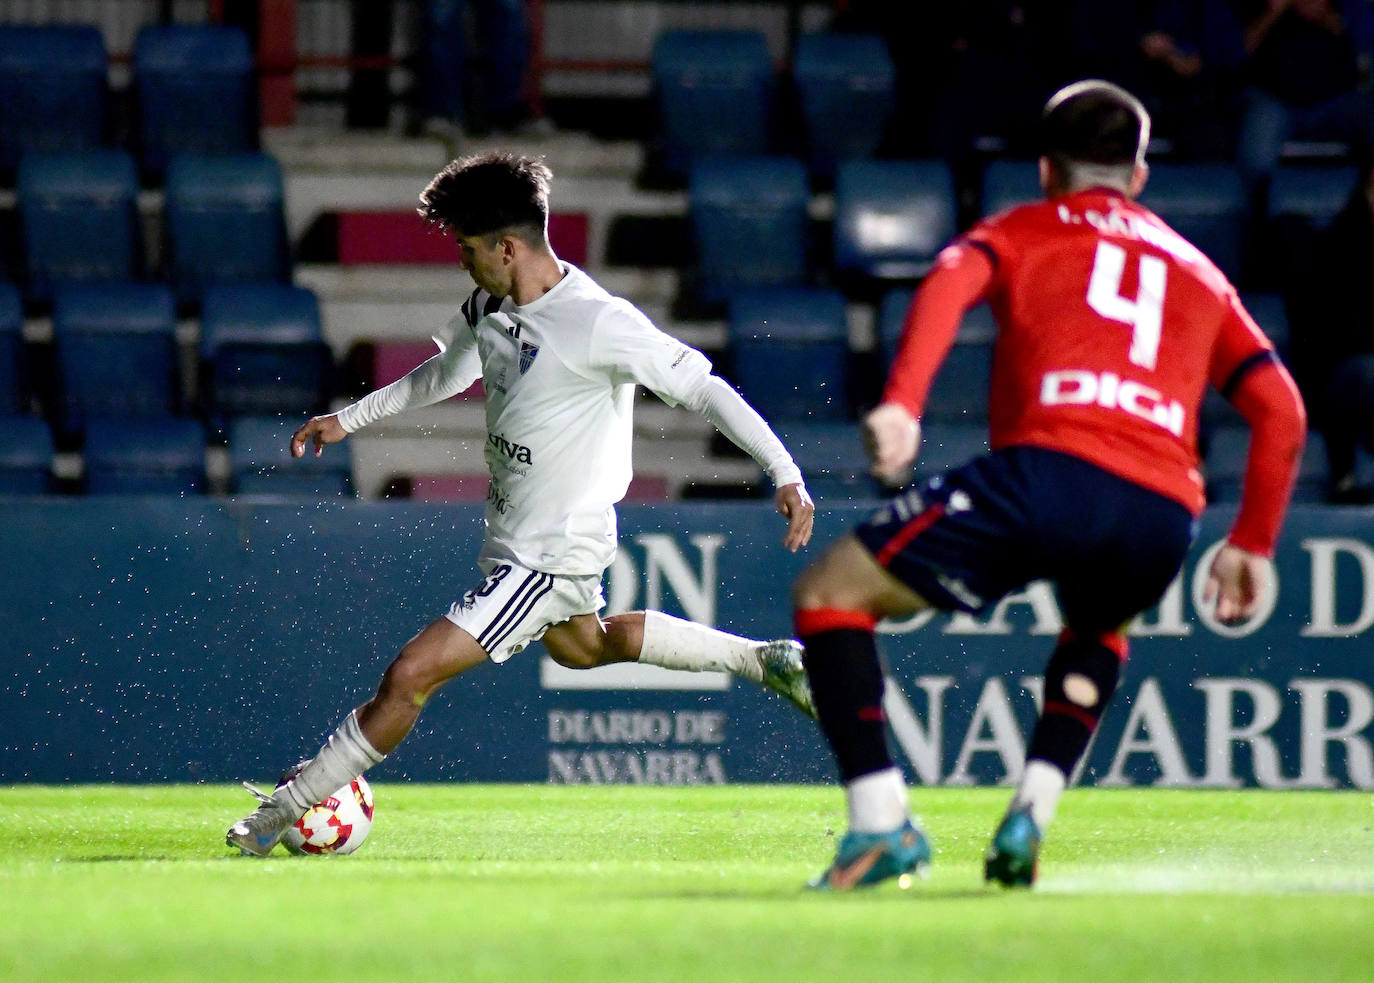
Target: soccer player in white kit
{"x": 559, "y": 358}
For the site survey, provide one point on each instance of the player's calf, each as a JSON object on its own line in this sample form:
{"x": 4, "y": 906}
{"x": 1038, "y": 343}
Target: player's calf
{"x": 1080, "y": 679}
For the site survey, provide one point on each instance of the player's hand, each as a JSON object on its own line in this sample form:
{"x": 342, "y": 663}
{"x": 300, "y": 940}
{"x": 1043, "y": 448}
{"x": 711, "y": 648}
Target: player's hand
{"x": 795, "y": 504}
{"x": 1157, "y": 44}
{"x": 1236, "y": 583}
{"x": 892, "y": 437}
{"x": 318, "y": 431}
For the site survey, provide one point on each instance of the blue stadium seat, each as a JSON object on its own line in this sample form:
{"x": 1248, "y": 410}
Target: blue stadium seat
{"x": 79, "y": 213}
{"x": 846, "y": 85}
{"x": 1311, "y": 194}
{"x": 195, "y": 92}
{"x": 1303, "y": 199}
{"x": 225, "y": 222}
{"x": 26, "y": 456}
{"x": 947, "y": 444}
{"x": 892, "y": 217}
{"x": 790, "y": 349}
{"x": 262, "y": 351}
{"x": 831, "y": 457}
{"x": 163, "y": 456}
{"x": 1271, "y": 314}
{"x": 959, "y": 391}
{"x": 714, "y": 91}
{"x": 749, "y": 219}
{"x": 1007, "y": 183}
{"x": 1223, "y": 467}
{"x": 116, "y": 352}
{"x": 892, "y": 310}
{"x": 260, "y": 462}
{"x": 1207, "y": 205}
{"x": 52, "y": 90}
{"x": 15, "y": 385}
{"x": 978, "y": 324}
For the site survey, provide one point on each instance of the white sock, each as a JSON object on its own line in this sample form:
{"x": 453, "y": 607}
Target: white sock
{"x": 1041, "y": 785}
{"x": 877, "y": 801}
{"x": 345, "y": 756}
{"x": 677, "y": 644}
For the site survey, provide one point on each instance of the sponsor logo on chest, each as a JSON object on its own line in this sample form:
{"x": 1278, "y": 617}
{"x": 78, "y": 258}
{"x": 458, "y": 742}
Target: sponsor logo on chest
{"x": 510, "y": 450}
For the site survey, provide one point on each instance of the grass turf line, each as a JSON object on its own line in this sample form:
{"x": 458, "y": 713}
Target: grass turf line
{"x": 519, "y": 883}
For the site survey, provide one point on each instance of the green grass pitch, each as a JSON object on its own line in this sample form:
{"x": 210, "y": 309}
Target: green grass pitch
{"x": 513, "y": 883}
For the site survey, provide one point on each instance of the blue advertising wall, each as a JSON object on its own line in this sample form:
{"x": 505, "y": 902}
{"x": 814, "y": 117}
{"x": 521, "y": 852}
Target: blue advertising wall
{"x": 156, "y": 640}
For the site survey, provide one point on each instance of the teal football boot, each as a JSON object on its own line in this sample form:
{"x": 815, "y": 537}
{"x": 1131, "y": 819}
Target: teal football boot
{"x": 865, "y": 859}
{"x": 1015, "y": 851}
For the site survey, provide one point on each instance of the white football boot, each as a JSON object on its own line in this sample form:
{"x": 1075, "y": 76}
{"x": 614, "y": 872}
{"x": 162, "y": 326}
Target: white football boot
{"x": 781, "y": 668}
{"x": 257, "y": 833}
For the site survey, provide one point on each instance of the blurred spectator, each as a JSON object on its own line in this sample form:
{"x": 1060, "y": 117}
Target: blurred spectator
{"x": 474, "y": 58}
{"x": 1179, "y": 56}
{"x": 1102, "y": 40}
{"x": 1332, "y": 338}
{"x": 1303, "y": 82}
{"x": 972, "y": 70}
{"x": 991, "y": 82}
{"x": 1192, "y": 51}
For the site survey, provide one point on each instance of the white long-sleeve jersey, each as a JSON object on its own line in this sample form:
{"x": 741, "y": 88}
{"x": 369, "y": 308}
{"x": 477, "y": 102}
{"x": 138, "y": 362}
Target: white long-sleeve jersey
{"x": 559, "y": 374}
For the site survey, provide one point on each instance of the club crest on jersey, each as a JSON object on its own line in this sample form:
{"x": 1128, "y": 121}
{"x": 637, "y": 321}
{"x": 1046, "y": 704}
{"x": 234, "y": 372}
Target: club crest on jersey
{"x": 527, "y": 354}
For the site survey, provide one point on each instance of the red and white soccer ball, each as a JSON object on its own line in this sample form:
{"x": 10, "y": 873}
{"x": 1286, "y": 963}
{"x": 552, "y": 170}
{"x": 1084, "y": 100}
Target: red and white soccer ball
{"x": 339, "y": 824}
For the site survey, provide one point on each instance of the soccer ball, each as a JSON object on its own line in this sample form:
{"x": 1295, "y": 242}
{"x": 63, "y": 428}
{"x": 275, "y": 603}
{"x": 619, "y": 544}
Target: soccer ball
{"x": 339, "y": 824}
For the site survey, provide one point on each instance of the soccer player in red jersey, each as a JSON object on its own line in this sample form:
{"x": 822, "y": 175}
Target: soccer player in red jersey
{"x": 1111, "y": 326}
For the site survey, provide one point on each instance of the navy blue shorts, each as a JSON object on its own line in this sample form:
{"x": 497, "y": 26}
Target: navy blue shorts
{"x": 966, "y": 538}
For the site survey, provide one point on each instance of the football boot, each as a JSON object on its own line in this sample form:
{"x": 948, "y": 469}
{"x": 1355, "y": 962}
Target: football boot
{"x": 865, "y": 859}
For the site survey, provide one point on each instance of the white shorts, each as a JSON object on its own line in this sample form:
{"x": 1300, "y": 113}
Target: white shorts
{"x": 514, "y": 605}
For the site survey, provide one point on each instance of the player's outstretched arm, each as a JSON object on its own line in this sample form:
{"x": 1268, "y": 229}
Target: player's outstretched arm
{"x": 892, "y": 437}
{"x": 1236, "y": 582}
{"x": 795, "y": 505}
{"x": 317, "y": 431}
{"x": 717, "y": 401}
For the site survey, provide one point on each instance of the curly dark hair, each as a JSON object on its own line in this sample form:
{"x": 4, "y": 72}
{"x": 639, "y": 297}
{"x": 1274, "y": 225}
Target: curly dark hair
{"x": 492, "y": 192}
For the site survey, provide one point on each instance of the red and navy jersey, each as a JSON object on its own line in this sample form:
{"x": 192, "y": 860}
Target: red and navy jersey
{"x": 1111, "y": 326}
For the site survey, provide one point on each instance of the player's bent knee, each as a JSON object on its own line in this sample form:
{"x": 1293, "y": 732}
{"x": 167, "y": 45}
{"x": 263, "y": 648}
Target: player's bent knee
{"x": 812, "y": 588}
{"x": 573, "y": 659}
{"x": 571, "y": 648}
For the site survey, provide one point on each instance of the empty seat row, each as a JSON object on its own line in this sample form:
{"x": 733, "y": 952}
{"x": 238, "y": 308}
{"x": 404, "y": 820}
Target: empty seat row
{"x": 167, "y": 456}
{"x": 833, "y": 462}
{"x": 790, "y": 354}
{"x": 717, "y": 92}
{"x": 750, "y": 218}
{"x": 224, "y": 221}
{"x": 115, "y": 353}
{"x": 1208, "y": 206}
{"x": 193, "y": 87}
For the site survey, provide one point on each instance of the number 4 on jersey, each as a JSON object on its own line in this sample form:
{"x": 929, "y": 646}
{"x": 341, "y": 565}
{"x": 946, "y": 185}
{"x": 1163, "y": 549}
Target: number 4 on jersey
{"x": 1145, "y": 314}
